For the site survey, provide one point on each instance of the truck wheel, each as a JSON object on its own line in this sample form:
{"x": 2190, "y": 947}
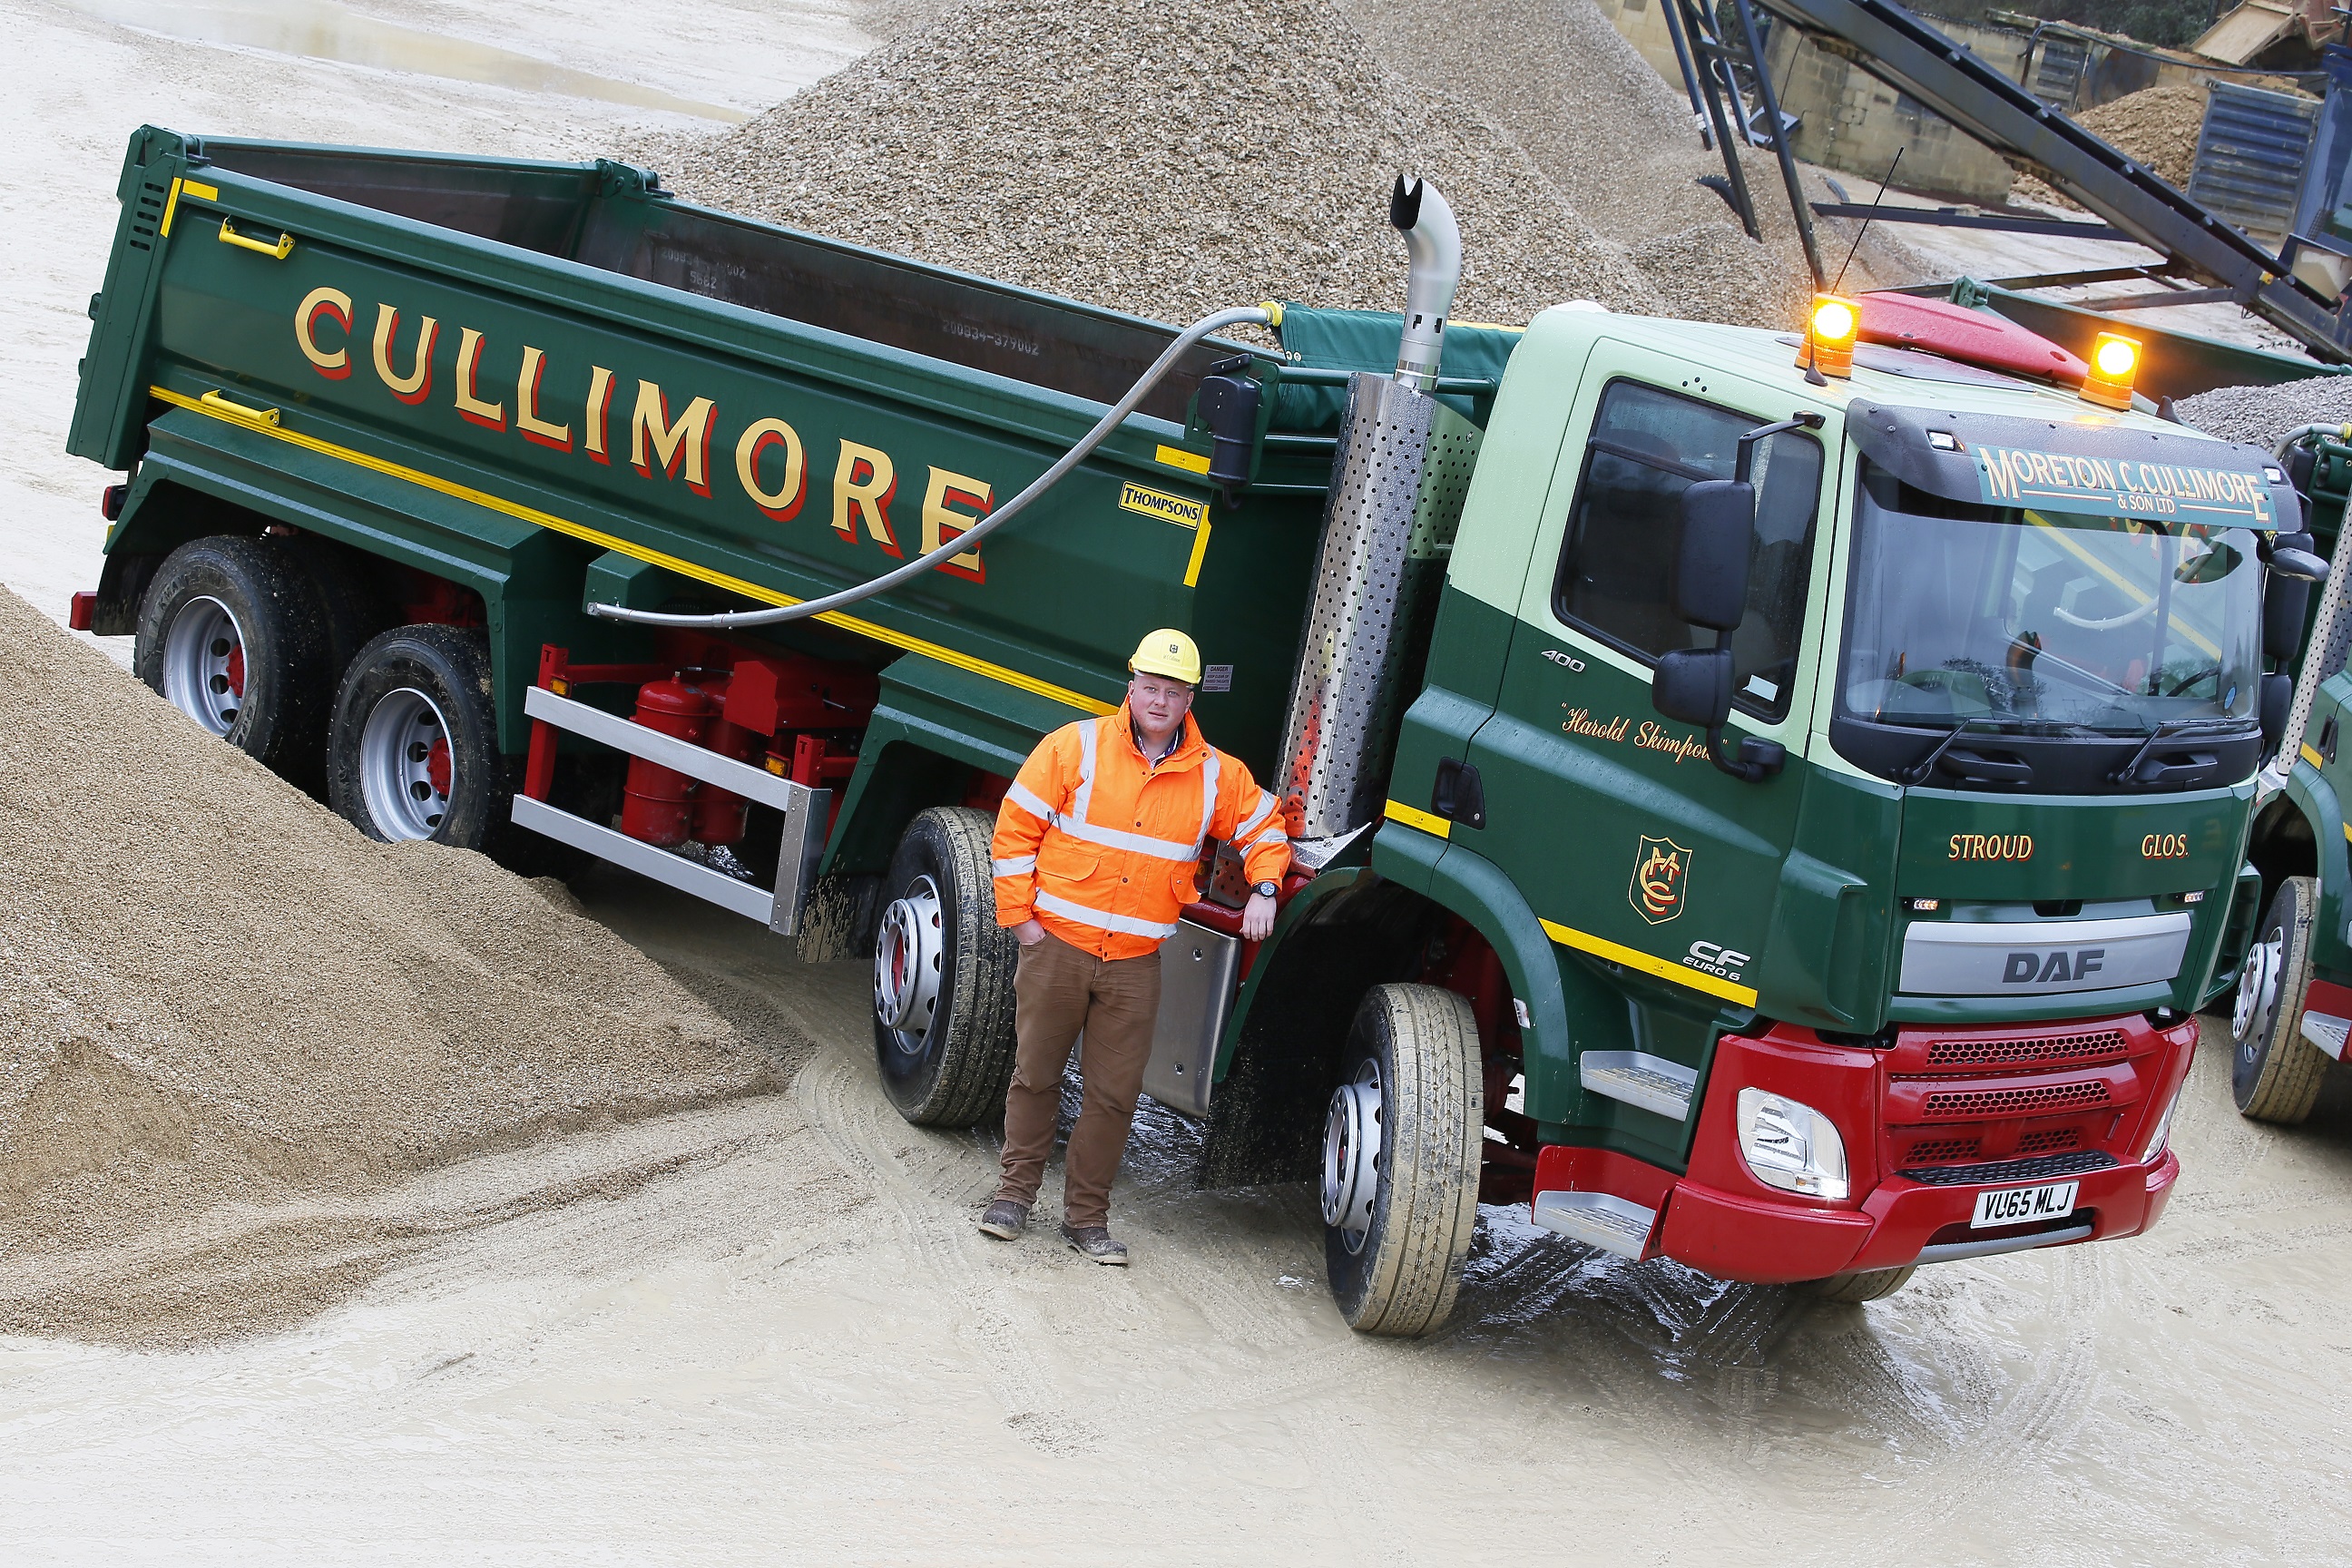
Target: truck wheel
{"x": 2274, "y": 1072}
{"x": 1400, "y": 1159}
{"x": 229, "y": 635}
{"x": 1862, "y": 1285}
{"x": 943, "y": 975}
{"x": 413, "y": 753}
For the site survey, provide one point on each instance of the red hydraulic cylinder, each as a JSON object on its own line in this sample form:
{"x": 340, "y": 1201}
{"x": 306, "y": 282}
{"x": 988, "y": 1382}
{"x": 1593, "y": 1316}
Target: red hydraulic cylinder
{"x": 658, "y": 804}
{"x": 718, "y": 814}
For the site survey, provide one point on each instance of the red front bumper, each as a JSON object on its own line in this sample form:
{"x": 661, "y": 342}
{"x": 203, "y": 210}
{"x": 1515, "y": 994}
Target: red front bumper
{"x": 1720, "y": 1218}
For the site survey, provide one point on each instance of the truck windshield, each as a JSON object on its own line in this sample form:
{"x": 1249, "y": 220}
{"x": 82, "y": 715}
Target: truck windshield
{"x": 2034, "y": 619}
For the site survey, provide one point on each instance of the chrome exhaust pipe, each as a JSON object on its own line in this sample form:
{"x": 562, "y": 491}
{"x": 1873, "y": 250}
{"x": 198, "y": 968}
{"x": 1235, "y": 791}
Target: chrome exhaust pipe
{"x": 1398, "y": 475}
{"x": 1433, "y": 242}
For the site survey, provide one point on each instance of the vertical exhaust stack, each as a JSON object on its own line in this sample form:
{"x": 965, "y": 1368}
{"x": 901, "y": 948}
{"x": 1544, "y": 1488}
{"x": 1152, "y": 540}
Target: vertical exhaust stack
{"x": 1398, "y": 478}
{"x": 1433, "y": 244}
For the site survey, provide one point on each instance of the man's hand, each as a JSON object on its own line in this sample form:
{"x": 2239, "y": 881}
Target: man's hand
{"x": 1257, "y": 917}
{"x": 1030, "y": 932}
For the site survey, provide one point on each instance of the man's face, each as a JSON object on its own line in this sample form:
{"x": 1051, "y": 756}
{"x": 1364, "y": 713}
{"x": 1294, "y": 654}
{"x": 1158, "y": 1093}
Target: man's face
{"x": 1157, "y": 702}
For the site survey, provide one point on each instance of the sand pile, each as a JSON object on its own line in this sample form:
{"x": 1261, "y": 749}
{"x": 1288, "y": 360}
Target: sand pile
{"x": 2264, "y": 414}
{"x": 2156, "y": 127}
{"x": 1160, "y": 156}
{"x": 214, "y": 991}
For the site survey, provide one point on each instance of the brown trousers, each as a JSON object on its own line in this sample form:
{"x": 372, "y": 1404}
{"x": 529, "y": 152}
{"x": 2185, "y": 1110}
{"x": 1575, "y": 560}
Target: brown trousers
{"x": 1058, "y": 992}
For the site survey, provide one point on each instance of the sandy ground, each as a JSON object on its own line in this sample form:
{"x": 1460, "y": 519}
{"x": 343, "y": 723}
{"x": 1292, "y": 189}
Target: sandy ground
{"x": 769, "y": 1334}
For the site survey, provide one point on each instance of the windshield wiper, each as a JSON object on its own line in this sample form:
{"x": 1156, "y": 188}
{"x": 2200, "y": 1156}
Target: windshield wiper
{"x": 1920, "y": 772}
{"x": 2125, "y": 775}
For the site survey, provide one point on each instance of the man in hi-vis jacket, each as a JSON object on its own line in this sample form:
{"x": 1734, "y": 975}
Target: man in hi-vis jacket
{"x": 1097, "y": 850}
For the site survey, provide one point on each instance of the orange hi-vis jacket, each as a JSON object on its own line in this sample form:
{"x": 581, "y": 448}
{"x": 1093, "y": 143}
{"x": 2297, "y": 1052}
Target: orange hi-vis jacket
{"x": 1103, "y": 847}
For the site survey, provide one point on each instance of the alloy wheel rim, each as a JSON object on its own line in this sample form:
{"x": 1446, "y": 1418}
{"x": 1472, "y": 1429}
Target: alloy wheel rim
{"x": 2258, "y": 980}
{"x": 205, "y": 664}
{"x": 909, "y": 955}
{"x": 406, "y": 771}
{"x": 1352, "y": 1156}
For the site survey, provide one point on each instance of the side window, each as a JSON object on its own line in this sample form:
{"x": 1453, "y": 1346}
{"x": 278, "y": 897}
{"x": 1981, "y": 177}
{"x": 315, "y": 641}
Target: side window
{"x": 1647, "y": 447}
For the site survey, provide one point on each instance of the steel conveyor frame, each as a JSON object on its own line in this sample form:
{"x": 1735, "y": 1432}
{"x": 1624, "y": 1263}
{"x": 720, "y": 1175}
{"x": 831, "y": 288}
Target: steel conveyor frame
{"x": 1910, "y": 55}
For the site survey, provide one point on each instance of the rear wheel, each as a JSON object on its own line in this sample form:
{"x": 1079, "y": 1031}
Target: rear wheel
{"x": 1862, "y": 1285}
{"x": 943, "y": 1002}
{"x": 229, "y": 634}
{"x": 1400, "y": 1159}
{"x": 414, "y": 754}
{"x": 2274, "y": 1072}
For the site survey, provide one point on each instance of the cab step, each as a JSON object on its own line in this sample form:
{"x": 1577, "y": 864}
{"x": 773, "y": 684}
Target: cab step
{"x": 1640, "y": 1080}
{"x": 1611, "y": 1224}
{"x": 2326, "y": 1032}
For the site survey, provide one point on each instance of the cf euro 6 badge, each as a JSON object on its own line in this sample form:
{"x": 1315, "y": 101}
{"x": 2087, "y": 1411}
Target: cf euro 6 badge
{"x": 1714, "y": 957}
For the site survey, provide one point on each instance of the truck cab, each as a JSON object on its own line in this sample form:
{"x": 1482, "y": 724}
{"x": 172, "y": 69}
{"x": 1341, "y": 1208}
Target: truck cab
{"x": 1895, "y": 960}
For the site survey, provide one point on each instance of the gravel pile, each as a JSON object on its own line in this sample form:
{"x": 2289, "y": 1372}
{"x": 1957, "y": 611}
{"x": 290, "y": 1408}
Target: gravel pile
{"x": 2264, "y": 414}
{"x": 1160, "y": 156}
{"x": 212, "y": 991}
{"x": 2157, "y": 126}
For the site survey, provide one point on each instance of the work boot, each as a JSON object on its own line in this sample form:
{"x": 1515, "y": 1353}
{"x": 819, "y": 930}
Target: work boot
{"x": 1094, "y": 1241}
{"x": 1004, "y": 1220}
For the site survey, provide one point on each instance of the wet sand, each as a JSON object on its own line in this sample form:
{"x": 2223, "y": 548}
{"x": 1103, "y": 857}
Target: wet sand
{"x": 788, "y": 1345}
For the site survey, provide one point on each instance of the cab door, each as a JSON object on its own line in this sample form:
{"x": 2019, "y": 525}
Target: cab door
{"x": 1649, "y": 866}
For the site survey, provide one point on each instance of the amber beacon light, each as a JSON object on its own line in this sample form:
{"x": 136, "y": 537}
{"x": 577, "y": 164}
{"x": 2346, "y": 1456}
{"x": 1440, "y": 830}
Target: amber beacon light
{"x": 1831, "y": 329}
{"x": 2115, "y": 362}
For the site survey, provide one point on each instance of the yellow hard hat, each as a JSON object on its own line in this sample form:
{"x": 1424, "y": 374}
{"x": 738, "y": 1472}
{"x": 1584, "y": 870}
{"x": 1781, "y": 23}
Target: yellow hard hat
{"x": 1168, "y": 652}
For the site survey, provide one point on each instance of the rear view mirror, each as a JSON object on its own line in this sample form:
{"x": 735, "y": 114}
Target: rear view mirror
{"x": 1693, "y": 686}
{"x": 1710, "y": 577}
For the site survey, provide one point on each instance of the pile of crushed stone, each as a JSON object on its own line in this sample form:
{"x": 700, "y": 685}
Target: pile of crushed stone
{"x": 216, "y": 994}
{"x": 1166, "y": 157}
{"x": 2264, "y": 414}
{"x": 2156, "y": 127}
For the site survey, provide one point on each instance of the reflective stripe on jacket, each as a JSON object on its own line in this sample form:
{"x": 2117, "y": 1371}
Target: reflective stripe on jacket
{"x": 1103, "y": 848}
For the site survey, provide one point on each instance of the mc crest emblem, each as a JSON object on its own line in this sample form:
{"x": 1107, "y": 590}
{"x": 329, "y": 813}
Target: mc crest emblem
{"x": 1660, "y": 869}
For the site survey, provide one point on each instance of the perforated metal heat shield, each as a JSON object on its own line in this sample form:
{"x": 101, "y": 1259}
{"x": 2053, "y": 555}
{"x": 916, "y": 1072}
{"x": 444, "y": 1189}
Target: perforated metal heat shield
{"x": 1399, "y": 476}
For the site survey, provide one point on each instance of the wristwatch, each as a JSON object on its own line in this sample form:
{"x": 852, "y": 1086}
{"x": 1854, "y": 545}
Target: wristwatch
{"x": 1265, "y": 889}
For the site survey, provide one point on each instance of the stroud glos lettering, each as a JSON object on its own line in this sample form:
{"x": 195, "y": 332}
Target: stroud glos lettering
{"x": 669, "y": 434}
{"x": 2013, "y": 476}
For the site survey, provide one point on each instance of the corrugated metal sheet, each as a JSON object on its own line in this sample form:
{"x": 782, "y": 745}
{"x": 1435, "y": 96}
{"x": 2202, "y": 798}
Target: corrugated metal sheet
{"x": 2250, "y": 157}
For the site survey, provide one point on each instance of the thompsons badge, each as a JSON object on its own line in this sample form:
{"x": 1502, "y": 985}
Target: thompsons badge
{"x": 1659, "y": 870}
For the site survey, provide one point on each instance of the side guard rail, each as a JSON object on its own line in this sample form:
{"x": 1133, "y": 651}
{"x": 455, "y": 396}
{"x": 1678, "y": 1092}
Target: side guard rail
{"x": 806, "y": 813}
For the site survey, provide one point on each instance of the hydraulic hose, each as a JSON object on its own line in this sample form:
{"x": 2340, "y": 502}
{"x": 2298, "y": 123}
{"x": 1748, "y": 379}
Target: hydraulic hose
{"x": 1266, "y": 315}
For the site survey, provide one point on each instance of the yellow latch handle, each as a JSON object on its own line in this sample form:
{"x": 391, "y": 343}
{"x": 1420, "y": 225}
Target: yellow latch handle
{"x": 219, "y": 405}
{"x": 278, "y": 251}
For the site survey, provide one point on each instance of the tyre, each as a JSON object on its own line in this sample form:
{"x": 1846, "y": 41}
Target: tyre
{"x": 1862, "y": 1285}
{"x": 2274, "y": 1072}
{"x": 354, "y": 610}
{"x": 230, "y": 634}
{"x": 1400, "y": 1159}
{"x": 943, "y": 975}
{"x": 413, "y": 753}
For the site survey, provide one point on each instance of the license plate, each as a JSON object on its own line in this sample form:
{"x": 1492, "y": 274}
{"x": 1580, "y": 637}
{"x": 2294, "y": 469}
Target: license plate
{"x": 2023, "y": 1206}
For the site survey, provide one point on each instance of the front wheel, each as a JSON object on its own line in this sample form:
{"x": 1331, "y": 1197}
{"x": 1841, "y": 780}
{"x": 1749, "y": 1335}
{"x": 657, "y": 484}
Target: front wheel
{"x": 2274, "y": 1072}
{"x": 1400, "y": 1159}
{"x": 943, "y": 968}
{"x": 1862, "y": 1285}
{"x": 414, "y": 752}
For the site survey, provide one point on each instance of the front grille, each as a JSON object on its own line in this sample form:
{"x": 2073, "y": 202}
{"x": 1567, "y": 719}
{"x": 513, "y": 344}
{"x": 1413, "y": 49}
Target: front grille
{"x": 2094, "y": 1045}
{"x": 1943, "y": 1150}
{"x": 2050, "y": 1139}
{"x": 2041, "y": 1168}
{"x": 1954, "y": 1105}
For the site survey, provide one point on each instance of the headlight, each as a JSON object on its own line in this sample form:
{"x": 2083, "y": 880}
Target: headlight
{"x": 2156, "y": 1139}
{"x": 1791, "y": 1145}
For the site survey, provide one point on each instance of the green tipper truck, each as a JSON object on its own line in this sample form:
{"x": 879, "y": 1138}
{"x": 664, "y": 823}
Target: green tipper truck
{"x": 1776, "y": 820}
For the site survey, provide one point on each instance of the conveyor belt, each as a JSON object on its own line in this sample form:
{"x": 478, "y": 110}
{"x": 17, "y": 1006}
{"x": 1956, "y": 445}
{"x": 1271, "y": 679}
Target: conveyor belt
{"x": 1909, "y": 54}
